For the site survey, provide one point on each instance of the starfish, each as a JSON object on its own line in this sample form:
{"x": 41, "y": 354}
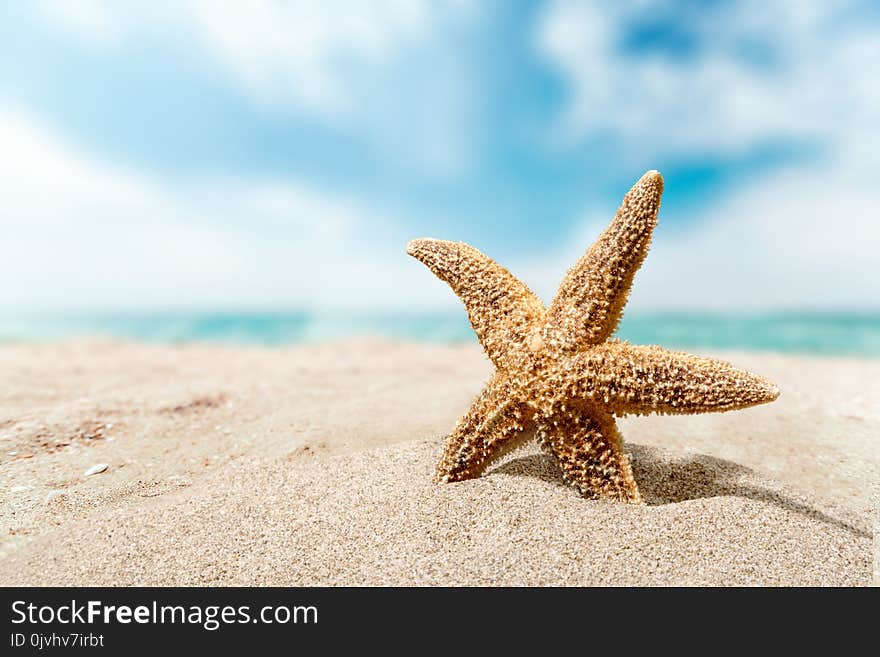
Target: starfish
{"x": 559, "y": 373}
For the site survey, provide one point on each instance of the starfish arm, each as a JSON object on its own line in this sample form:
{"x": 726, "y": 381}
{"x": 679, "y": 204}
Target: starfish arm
{"x": 590, "y": 453}
{"x": 502, "y": 310}
{"x": 589, "y": 304}
{"x": 494, "y": 424}
{"x": 630, "y": 379}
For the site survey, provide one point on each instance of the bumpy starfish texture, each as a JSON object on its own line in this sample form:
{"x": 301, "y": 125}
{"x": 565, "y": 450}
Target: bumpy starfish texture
{"x": 559, "y": 373}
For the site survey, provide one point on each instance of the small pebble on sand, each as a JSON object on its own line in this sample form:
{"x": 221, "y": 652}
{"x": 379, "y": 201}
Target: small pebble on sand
{"x": 96, "y": 469}
{"x": 55, "y": 494}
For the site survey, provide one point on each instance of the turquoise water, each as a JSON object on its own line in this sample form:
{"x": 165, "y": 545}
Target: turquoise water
{"x": 855, "y": 334}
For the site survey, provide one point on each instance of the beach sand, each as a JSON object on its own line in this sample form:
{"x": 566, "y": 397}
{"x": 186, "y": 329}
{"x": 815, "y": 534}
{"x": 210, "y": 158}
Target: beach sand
{"x": 312, "y": 465}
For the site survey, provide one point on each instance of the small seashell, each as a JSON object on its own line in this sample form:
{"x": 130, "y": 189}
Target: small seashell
{"x": 96, "y": 469}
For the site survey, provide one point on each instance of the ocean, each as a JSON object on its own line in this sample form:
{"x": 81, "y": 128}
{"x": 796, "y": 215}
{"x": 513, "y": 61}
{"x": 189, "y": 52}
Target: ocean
{"x": 850, "y": 334}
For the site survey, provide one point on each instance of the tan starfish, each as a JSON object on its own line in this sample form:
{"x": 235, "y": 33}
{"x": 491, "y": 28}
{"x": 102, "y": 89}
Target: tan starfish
{"x": 559, "y": 372}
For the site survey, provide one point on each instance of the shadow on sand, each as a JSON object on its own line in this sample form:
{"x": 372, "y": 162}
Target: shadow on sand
{"x": 665, "y": 480}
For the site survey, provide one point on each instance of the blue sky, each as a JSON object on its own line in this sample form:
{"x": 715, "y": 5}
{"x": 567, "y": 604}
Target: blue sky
{"x": 280, "y": 154}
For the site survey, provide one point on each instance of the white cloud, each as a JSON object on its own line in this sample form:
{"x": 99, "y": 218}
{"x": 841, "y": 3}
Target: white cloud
{"x": 391, "y": 71}
{"x": 94, "y": 20}
{"x": 299, "y": 50}
{"x": 818, "y": 80}
{"x": 801, "y": 236}
{"x": 79, "y": 233}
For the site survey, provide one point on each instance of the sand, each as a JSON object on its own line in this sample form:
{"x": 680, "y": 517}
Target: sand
{"x": 311, "y": 465}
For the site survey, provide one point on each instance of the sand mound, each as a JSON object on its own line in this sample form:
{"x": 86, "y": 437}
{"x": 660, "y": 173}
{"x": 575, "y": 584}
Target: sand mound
{"x": 375, "y": 518}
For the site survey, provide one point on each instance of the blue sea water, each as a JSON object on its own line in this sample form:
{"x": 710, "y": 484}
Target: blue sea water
{"x": 853, "y": 334}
